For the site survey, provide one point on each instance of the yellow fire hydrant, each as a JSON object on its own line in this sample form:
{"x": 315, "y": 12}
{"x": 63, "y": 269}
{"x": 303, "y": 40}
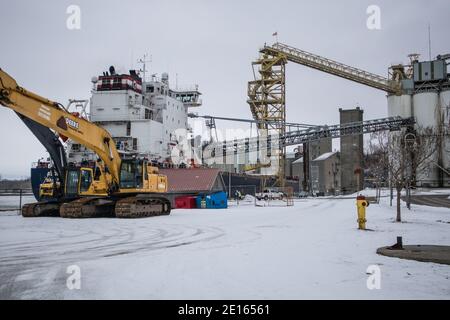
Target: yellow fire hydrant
{"x": 361, "y": 204}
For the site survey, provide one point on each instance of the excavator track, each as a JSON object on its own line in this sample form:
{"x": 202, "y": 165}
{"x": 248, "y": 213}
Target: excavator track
{"x": 41, "y": 209}
{"x": 142, "y": 206}
{"x": 87, "y": 208}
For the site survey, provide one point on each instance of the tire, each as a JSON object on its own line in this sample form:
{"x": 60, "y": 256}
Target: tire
{"x": 266, "y": 197}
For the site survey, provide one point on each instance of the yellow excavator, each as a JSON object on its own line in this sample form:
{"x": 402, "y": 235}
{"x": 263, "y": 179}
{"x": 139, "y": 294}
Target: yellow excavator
{"x": 125, "y": 188}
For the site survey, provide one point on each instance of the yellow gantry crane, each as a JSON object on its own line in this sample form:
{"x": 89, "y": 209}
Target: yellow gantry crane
{"x": 124, "y": 187}
{"x": 267, "y": 92}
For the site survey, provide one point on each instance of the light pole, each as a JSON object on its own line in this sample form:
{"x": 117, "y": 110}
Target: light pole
{"x": 409, "y": 142}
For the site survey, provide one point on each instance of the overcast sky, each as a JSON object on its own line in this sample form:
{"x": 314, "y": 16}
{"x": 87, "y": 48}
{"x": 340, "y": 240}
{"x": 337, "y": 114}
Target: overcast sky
{"x": 212, "y": 44}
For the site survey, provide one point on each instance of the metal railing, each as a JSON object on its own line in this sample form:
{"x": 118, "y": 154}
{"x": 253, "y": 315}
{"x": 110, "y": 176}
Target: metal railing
{"x": 15, "y": 192}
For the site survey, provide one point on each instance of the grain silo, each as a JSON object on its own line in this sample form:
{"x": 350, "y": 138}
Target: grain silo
{"x": 425, "y": 95}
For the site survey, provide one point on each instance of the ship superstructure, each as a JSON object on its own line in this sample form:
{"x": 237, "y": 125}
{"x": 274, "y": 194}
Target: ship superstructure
{"x": 143, "y": 117}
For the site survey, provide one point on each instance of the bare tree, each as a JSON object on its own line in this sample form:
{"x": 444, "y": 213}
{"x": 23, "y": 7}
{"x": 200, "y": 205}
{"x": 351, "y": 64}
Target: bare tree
{"x": 398, "y": 157}
{"x": 377, "y": 158}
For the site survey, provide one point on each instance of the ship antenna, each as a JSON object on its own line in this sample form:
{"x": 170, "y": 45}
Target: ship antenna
{"x": 429, "y": 41}
{"x": 144, "y": 61}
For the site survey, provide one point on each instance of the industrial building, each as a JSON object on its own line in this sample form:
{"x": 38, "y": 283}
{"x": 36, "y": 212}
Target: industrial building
{"x": 425, "y": 95}
{"x": 412, "y": 92}
{"x": 325, "y": 174}
{"x": 352, "y": 153}
{"x": 419, "y": 90}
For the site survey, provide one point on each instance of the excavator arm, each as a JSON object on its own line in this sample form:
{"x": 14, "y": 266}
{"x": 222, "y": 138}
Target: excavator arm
{"x": 53, "y": 116}
{"x": 51, "y": 143}
{"x": 54, "y": 147}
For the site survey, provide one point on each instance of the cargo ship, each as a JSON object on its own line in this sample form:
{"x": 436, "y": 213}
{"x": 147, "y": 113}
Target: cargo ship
{"x": 144, "y": 117}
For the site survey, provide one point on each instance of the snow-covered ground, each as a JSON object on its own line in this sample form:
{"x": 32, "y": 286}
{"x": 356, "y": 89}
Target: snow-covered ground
{"x": 311, "y": 250}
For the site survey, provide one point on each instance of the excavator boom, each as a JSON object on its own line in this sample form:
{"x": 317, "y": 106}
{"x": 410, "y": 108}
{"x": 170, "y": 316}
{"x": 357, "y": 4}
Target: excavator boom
{"x": 53, "y": 116}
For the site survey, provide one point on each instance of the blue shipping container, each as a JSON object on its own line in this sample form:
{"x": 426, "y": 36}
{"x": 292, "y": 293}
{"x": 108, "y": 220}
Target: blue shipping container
{"x": 217, "y": 200}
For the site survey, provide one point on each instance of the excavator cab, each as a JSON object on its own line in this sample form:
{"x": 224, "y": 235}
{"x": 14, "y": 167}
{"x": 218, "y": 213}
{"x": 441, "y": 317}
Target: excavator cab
{"x": 78, "y": 181}
{"x": 131, "y": 174}
{"x": 83, "y": 182}
{"x": 138, "y": 175}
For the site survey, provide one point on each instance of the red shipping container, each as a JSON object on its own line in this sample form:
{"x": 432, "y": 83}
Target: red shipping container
{"x": 185, "y": 202}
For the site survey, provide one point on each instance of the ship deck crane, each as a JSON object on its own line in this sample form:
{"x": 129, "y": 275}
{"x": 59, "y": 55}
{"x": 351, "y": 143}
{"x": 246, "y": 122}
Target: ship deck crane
{"x": 133, "y": 187}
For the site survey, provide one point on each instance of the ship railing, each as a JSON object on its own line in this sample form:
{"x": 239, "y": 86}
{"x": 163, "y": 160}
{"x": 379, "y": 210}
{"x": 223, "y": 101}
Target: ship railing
{"x": 106, "y": 118}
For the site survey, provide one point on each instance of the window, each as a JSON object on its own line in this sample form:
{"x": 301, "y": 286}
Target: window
{"x": 148, "y": 114}
{"x": 72, "y": 182}
{"x": 131, "y": 173}
{"x": 145, "y": 173}
{"x": 98, "y": 173}
{"x": 127, "y": 175}
{"x": 86, "y": 180}
{"x": 139, "y": 174}
{"x": 128, "y": 128}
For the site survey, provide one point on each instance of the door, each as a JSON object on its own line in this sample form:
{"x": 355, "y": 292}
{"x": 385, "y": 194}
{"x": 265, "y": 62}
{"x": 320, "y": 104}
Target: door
{"x": 72, "y": 181}
{"x": 85, "y": 180}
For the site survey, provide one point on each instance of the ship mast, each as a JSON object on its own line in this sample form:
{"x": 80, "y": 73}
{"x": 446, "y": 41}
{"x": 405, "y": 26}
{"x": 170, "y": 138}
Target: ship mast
{"x": 144, "y": 61}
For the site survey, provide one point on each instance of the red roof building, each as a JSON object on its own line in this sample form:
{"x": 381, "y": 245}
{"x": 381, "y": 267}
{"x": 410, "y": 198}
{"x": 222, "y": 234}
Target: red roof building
{"x": 192, "y": 181}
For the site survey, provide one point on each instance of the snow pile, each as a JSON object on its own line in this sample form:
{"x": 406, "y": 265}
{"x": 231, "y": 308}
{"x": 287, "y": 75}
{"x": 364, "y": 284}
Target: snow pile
{"x": 248, "y": 198}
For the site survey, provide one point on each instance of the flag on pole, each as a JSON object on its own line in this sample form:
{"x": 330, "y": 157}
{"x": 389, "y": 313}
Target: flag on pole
{"x": 275, "y": 34}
